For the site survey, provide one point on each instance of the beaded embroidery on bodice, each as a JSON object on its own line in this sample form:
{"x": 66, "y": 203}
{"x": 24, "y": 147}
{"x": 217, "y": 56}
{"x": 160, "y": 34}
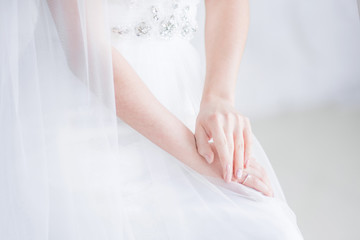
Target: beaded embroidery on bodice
{"x": 152, "y": 19}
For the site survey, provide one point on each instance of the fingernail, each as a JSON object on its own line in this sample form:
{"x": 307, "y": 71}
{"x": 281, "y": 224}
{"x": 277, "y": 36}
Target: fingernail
{"x": 208, "y": 159}
{"x": 228, "y": 173}
{"x": 267, "y": 190}
{"x": 239, "y": 173}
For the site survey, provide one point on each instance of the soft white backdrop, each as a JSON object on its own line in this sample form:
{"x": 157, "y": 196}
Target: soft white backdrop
{"x": 299, "y": 54}
{"x": 300, "y": 84}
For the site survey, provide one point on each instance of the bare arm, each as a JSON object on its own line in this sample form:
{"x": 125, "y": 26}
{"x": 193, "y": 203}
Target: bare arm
{"x": 139, "y": 108}
{"x": 225, "y": 36}
{"x": 226, "y": 30}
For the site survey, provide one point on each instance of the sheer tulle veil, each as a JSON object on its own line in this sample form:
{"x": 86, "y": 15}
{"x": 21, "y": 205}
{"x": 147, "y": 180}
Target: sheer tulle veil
{"x": 55, "y": 80}
{"x": 70, "y": 169}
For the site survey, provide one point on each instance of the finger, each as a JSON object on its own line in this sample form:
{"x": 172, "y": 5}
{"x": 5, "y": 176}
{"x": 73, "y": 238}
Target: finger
{"x": 228, "y": 128}
{"x": 221, "y": 145}
{"x": 230, "y": 143}
{"x": 255, "y": 169}
{"x": 251, "y": 159}
{"x": 247, "y": 141}
{"x": 254, "y": 182}
{"x": 238, "y": 153}
{"x": 203, "y": 145}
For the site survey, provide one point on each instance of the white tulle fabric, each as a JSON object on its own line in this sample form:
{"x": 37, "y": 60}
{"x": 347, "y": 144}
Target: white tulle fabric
{"x": 70, "y": 169}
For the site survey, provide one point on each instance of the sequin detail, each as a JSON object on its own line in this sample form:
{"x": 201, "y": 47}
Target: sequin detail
{"x": 164, "y": 24}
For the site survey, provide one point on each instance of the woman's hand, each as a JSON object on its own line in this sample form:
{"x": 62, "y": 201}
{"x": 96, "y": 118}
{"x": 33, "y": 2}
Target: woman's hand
{"x": 226, "y": 28}
{"x": 255, "y": 176}
{"x": 231, "y": 134}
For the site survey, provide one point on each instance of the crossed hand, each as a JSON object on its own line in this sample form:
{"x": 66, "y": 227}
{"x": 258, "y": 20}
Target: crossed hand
{"x": 222, "y": 134}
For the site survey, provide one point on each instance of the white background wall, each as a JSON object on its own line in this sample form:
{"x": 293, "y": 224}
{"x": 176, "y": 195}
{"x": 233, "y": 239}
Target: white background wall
{"x": 299, "y": 54}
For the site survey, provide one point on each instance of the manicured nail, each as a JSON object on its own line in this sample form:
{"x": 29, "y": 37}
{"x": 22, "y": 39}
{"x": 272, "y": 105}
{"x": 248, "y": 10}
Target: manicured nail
{"x": 267, "y": 190}
{"x": 239, "y": 173}
{"x": 208, "y": 159}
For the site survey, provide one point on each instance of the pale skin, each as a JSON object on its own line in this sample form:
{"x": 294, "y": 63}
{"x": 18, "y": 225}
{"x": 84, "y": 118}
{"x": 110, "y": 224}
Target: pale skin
{"x": 218, "y": 119}
{"x": 225, "y": 35}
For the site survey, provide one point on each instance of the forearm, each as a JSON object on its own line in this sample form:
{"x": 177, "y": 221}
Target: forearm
{"x": 226, "y": 30}
{"x": 138, "y": 107}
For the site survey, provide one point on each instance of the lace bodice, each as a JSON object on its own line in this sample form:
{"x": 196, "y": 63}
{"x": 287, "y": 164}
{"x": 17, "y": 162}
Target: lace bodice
{"x": 149, "y": 19}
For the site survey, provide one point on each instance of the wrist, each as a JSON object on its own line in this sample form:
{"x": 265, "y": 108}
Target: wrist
{"x": 191, "y": 157}
{"x": 211, "y": 97}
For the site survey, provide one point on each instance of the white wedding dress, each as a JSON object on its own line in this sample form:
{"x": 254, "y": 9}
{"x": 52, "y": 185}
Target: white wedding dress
{"x": 164, "y": 198}
{"x": 77, "y": 189}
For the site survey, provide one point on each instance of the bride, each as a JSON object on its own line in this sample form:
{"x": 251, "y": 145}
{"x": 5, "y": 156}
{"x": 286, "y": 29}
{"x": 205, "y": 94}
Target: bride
{"x": 111, "y": 129}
